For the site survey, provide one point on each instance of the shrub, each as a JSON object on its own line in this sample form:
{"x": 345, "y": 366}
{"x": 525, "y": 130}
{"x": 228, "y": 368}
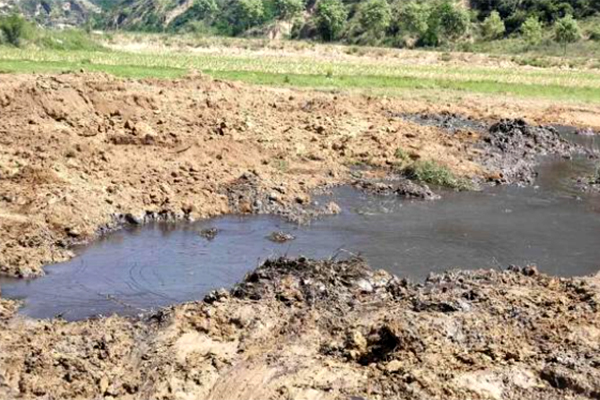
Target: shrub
{"x": 13, "y": 29}
{"x": 594, "y": 34}
{"x": 411, "y": 18}
{"x": 532, "y": 31}
{"x": 401, "y": 154}
{"x": 330, "y": 18}
{"x": 566, "y": 30}
{"x": 249, "y": 13}
{"x": 493, "y": 26}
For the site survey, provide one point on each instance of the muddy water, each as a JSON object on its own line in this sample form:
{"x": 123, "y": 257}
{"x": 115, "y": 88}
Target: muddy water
{"x": 135, "y": 270}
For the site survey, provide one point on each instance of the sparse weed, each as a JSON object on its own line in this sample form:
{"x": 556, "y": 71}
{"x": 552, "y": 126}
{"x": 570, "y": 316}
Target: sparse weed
{"x": 401, "y": 155}
{"x": 435, "y": 174}
{"x": 281, "y": 165}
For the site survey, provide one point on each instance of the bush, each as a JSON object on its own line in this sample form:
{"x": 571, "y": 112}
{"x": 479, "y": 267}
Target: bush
{"x": 594, "y": 34}
{"x": 330, "y": 18}
{"x": 531, "y": 30}
{"x": 67, "y": 39}
{"x": 566, "y": 30}
{"x": 13, "y": 29}
{"x": 249, "y": 13}
{"x": 411, "y": 18}
{"x": 493, "y": 26}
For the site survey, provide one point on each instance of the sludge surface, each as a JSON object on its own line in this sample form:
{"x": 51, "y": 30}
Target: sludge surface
{"x": 138, "y": 269}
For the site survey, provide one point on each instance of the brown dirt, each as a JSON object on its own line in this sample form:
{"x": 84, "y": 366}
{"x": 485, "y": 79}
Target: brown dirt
{"x": 80, "y": 154}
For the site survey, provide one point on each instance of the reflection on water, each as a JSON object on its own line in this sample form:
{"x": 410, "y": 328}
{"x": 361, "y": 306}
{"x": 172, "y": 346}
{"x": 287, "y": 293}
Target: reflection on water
{"x": 134, "y": 270}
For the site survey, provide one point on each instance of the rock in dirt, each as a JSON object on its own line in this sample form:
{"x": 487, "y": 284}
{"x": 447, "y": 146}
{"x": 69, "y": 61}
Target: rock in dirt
{"x": 209, "y": 233}
{"x": 281, "y": 237}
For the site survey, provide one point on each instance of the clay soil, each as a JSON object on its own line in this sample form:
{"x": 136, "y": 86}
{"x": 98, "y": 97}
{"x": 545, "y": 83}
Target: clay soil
{"x": 83, "y": 154}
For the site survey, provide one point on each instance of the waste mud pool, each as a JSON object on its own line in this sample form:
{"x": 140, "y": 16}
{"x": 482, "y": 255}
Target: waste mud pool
{"x": 550, "y": 224}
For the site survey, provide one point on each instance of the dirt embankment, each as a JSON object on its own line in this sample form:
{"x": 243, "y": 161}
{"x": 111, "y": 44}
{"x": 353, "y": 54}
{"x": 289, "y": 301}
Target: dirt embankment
{"x": 327, "y": 330}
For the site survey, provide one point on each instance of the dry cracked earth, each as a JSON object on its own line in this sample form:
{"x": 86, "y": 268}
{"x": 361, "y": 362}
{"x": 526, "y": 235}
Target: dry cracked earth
{"x": 81, "y": 155}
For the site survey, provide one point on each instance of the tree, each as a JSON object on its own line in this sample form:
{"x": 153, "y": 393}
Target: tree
{"x": 330, "y": 18}
{"x": 566, "y": 30}
{"x": 532, "y": 31}
{"x": 288, "y": 9}
{"x": 375, "y": 17}
{"x": 493, "y": 26}
{"x": 412, "y": 17}
{"x": 13, "y": 29}
{"x": 249, "y": 13}
{"x": 446, "y": 21}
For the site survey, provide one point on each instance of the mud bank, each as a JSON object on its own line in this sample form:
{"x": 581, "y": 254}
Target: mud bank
{"x": 326, "y": 329}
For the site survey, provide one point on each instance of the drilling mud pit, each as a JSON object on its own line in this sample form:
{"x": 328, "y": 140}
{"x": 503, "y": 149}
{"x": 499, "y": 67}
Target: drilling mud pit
{"x": 136, "y": 270}
{"x": 85, "y": 155}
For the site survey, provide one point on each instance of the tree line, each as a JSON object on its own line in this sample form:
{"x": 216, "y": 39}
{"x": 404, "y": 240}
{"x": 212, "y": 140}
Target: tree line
{"x": 399, "y": 23}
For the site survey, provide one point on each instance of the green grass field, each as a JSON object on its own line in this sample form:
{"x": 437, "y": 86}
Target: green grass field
{"x": 371, "y": 74}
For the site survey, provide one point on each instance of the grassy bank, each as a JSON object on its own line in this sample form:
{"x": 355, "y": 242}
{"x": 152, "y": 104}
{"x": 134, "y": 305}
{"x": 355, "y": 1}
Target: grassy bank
{"x": 365, "y": 73}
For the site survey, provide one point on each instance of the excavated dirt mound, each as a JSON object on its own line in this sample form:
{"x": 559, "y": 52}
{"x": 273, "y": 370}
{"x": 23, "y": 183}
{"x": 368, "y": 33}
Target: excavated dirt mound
{"x": 329, "y": 330}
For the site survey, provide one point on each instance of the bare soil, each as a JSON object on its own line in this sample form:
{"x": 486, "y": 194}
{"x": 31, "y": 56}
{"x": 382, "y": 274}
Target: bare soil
{"x": 83, "y": 154}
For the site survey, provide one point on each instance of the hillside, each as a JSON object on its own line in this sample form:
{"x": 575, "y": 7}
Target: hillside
{"x": 54, "y": 13}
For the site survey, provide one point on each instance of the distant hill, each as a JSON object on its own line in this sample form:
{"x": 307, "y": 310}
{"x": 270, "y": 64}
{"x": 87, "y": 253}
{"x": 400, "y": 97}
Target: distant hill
{"x": 54, "y": 13}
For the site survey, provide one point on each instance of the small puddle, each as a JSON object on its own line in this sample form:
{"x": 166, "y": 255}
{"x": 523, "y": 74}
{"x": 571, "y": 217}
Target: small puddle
{"x": 550, "y": 224}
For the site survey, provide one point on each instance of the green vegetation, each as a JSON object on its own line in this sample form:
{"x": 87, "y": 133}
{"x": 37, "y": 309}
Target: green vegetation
{"x": 12, "y": 29}
{"x": 514, "y": 26}
{"x": 493, "y": 27}
{"x": 373, "y": 75}
{"x": 532, "y": 31}
{"x": 401, "y": 154}
{"x": 566, "y": 30}
{"x": 397, "y": 23}
{"x": 435, "y": 174}
{"x": 330, "y": 18}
